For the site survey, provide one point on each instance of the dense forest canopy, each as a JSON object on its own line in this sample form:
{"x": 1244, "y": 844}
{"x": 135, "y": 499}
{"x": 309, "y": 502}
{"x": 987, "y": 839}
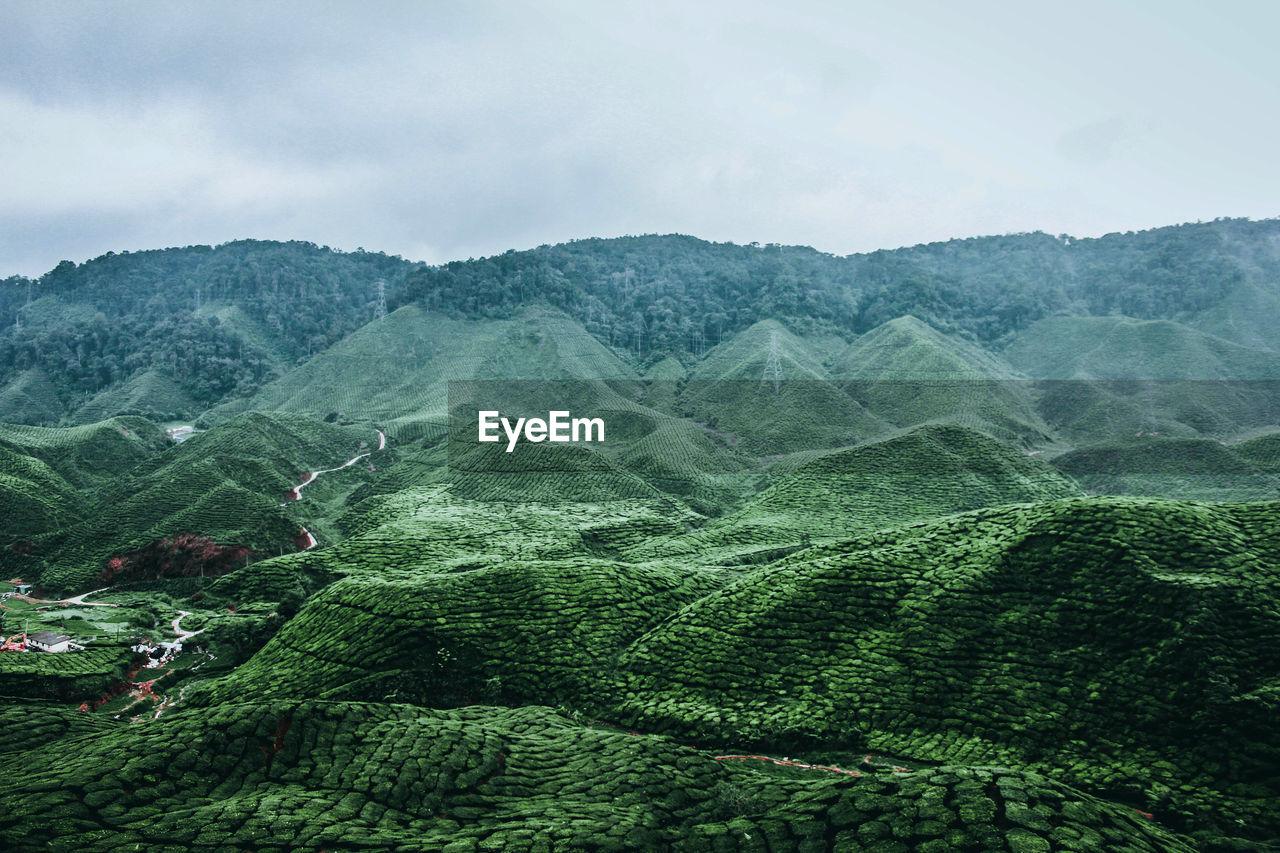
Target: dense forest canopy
{"x": 92, "y": 325}
{"x": 660, "y": 294}
{"x": 220, "y": 321}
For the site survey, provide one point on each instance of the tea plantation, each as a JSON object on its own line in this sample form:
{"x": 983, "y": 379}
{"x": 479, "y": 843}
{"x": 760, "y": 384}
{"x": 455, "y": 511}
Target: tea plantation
{"x": 359, "y": 776}
{"x": 914, "y": 587}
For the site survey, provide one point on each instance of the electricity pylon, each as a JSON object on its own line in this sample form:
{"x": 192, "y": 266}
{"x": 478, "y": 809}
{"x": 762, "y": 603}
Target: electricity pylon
{"x": 773, "y": 365}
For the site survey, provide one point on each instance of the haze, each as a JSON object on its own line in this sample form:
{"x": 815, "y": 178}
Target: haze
{"x": 442, "y": 131}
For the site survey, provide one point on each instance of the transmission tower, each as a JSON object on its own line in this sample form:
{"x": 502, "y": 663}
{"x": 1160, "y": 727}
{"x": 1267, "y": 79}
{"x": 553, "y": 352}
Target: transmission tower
{"x": 381, "y": 310}
{"x": 773, "y": 365}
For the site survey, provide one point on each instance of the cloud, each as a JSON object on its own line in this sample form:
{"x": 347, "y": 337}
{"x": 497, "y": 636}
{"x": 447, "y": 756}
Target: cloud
{"x": 1092, "y": 143}
{"x": 442, "y": 130}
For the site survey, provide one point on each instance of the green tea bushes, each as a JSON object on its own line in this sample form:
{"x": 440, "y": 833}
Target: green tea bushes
{"x": 276, "y": 776}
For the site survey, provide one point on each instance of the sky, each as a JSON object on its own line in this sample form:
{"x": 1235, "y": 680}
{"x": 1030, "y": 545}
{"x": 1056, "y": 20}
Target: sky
{"x": 442, "y": 131}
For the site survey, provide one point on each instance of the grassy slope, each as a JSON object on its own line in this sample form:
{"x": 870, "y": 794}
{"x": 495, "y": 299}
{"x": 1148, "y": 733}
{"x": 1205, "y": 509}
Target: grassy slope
{"x": 1261, "y": 450}
{"x": 1246, "y": 316}
{"x": 1185, "y": 468}
{"x": 1124, "y": 348}
{"x": 149, "y": 393}
{"x": 87, "y": 456}
{"x": 1119, "y": 643}
{"x": 30, "y": 398}
{"x": 1121, "y": 646}
{"x": 928, "y": 472}
{"x": 1114, "y": 376}
{"x": 34, "y": 499}
{"x": 907, "y": 348}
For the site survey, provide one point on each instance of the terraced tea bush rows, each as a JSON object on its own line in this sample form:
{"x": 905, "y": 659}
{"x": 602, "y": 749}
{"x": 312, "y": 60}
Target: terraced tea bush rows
{"x": 520, "y": 632}
{"x": 226, "y": 485}
{"x": 30, "y": 398}
{"x": 29, "y": 725}
{"x": 149, "y": 394}
{"x": 815, "y": 594}
{"x": 349, "y": 776}
{"x": 414, "y": 354}
{"x": 926, "y": 473}
{"x": 87, "y": 455}
{"x": 1123, "y": 646}
{"x": 1188, "y": 468}
{"x": 66, "y": 676}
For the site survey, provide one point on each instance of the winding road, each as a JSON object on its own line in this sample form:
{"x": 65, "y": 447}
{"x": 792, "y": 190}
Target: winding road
{"x": 79, "y": 599}
{"x": 183, "y": 635}
{"x": 297, "y": 490}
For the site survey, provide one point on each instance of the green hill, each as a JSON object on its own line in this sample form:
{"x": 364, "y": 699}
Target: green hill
{"x": 1124, "y": 348}
{"x": 669, "y": 369}
{"x": 1126, "y": 645}
{"x": 47, "y": 476}
{"x": 30, "y": 398}
{"x": 765, "y": 391}
{"x": 1113, "y": 377}
{"x": 396, "y": 372}
{"x": 1184, "y": 468}
{"x": 966, "y": 546}
{"x": 1123, "y": 646}
{"x": 1261, "y": 450}
{"x": 34, "y": 499}
{"x": 907, "y": 348}
{"x": 1245, "y": 316}
{"x": 928, "y": 472}
{"x": 90, "y": 455}
{"x": 226, "y": 485}
{"x": 150, "y": 394}
{"x": 746, "y": 355}
{"x": 347, "y": 775}
{"x": 908, "y": 373}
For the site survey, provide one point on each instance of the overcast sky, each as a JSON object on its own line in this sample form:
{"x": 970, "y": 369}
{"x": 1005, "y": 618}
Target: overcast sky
{"x": 447, "y": 130}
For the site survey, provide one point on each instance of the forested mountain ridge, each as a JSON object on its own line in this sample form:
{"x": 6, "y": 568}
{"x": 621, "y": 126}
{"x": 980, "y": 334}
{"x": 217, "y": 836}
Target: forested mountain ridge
{"x": 676, "y": 293}
{"x": 217, "y": 321}
{"x": 177, "y": 331}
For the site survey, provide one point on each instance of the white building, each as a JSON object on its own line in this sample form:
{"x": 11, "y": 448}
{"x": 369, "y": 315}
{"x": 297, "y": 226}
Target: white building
{"x": 47, "y": 641}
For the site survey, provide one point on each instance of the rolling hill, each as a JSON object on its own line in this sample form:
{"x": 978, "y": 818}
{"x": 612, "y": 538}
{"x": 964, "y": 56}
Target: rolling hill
{"x": 966, "y": 546}
{"x": 909, "y": 373}
{"x": 225, "y": 487}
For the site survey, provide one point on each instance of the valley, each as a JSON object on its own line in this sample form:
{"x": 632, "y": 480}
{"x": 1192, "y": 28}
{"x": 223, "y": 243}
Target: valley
{"x": 930, "y": 550}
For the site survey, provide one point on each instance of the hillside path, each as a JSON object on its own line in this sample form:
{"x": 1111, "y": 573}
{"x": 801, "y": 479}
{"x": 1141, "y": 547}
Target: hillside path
{"x": 297, "y": 490}
{"x": 183, "y": 635}
{"x": 79, "y": 599}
